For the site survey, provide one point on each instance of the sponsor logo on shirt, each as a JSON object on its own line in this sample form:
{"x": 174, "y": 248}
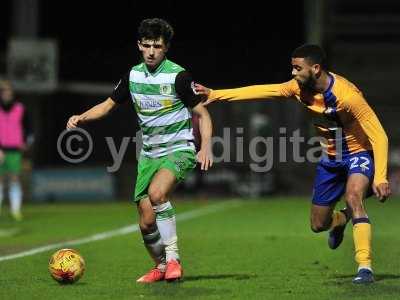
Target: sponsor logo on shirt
{"x": 149, "y": 104}
{"x": 155, "y": 104}
{"x": 166, "y": 103}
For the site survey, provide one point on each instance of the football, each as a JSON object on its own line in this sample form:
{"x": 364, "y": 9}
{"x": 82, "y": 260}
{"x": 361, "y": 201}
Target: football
{"x": 66, "y": 266}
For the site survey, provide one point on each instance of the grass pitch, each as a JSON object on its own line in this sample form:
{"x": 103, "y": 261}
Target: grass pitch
{"x": 247, "y": 249}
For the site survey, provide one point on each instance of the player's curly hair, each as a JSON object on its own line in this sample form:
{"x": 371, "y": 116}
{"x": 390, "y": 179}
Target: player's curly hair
{"x": 312, "y": 53}
{"x": 153, "y": 29}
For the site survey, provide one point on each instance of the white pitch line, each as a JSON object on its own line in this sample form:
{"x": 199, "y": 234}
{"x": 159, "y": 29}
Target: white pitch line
{"x": 117, "y": 232}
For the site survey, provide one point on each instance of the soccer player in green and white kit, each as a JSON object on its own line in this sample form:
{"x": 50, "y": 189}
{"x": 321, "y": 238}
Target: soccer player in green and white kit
{"x": 163, "y": 95}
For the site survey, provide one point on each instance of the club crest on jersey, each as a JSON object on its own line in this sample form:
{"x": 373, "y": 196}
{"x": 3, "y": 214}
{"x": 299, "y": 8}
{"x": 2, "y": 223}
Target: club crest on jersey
{"x": 165, "y": 89}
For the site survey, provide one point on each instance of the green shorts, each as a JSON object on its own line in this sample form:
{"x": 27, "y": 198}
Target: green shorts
{"x": 11, "y": 163}
{"x": 180, "y": 163}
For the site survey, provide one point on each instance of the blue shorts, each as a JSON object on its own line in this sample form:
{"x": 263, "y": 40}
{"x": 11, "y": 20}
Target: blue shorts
{"x": 330, "y": 182}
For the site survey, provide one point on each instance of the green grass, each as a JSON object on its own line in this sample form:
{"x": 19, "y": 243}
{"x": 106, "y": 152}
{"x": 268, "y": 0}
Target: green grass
{"x": 251, "y": 250}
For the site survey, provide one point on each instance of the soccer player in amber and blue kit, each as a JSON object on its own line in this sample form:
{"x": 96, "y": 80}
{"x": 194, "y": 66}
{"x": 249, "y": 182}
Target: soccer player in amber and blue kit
{"x": 356, "y": 147}
{"x": 164, "y": 98}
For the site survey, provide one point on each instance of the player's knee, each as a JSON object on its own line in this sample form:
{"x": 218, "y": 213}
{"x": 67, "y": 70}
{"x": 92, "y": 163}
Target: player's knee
{"x": 156, "y": 196}
{"x": 319, "y": 226}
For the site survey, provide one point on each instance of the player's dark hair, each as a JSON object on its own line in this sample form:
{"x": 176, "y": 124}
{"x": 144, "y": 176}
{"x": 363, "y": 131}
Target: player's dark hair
{"x": 153, "y": 29}
{"x": 313, "y": 54}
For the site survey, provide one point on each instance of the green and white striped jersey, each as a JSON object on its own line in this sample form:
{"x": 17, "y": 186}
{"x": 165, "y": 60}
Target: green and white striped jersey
{"x": 164, "y": 118}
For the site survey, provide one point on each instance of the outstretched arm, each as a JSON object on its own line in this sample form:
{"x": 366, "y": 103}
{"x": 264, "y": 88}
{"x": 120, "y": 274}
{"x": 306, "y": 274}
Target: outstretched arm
{"x": 95, "y": 113}
{"x": 253, "y": 92}
{"x": 120, "y": 95}
{"x": 204, "y": 156}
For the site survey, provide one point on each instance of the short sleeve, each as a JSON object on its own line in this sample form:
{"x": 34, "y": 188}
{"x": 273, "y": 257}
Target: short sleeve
{"x": 121, "y": 92}
{"x": 184, "y": 86}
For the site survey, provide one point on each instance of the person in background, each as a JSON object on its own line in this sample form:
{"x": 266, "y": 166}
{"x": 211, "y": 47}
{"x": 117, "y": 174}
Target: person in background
{"x": 15, "y": 137}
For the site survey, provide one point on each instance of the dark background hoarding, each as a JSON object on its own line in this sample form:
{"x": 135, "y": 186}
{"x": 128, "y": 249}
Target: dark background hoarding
{"x": 223, "y": 44}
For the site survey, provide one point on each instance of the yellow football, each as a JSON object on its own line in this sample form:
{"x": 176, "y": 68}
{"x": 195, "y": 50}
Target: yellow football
{"x": 66, "y": 266}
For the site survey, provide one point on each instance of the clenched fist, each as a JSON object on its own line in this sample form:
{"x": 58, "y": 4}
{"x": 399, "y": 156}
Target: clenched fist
{"x": 74, "y": 121}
